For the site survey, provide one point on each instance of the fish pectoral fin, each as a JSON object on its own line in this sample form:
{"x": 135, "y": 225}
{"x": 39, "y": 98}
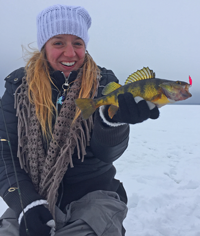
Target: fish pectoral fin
{"x": 155, "y": 98}
{"x": 112, "y": 110}
{"x": 112, "y": 86}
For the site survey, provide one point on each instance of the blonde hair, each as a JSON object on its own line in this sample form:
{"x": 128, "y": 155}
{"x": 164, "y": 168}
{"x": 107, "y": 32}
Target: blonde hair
{"x": 39, "y": 90}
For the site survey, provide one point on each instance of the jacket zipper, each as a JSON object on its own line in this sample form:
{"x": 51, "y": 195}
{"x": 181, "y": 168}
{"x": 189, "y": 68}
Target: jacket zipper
{"x": 65, "y": 87}
{"x": 60, "y": 98}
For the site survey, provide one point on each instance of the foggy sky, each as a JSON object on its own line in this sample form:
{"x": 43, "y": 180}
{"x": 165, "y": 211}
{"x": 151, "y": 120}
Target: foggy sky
{"x": 125, "y": 36}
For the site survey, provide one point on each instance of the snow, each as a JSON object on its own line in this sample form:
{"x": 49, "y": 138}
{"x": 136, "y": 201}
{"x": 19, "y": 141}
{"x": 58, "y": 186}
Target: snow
{"x": 160, "y": 172}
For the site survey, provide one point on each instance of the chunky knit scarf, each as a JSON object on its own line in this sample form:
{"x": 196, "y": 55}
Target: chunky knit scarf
{"x": 46, "y": 170}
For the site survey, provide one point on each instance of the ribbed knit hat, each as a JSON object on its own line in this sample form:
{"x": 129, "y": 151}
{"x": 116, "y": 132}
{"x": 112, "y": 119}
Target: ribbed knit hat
{"x": 62, "y": 19}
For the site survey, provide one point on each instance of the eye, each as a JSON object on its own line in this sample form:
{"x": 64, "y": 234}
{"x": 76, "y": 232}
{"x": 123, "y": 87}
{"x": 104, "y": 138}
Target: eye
{"x": 178, "y": 82}
{"x": 78, "y": 43}
{"x": 58, "y": 43}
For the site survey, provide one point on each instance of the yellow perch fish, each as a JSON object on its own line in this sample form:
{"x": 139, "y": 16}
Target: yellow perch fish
{"x": 141, "y": 83}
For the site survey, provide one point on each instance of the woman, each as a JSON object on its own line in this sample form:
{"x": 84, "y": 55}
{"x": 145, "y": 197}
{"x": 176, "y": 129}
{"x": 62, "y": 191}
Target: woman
{"x": 65, "y": 177}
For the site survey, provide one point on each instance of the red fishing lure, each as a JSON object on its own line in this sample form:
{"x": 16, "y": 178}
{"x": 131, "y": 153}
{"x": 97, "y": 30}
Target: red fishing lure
{"x": 190, "y": 80}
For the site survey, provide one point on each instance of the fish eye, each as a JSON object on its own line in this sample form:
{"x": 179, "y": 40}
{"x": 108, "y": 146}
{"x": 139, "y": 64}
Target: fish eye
{"x": 178, "y": 82}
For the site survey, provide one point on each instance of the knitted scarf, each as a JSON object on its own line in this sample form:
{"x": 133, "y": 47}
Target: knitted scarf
{"x": 46, "y": 170}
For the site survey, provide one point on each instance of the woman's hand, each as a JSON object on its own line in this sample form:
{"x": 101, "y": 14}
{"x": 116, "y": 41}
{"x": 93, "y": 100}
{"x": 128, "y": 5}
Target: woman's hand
{"x": 39, "y": 221}
{"x": 134, "y": 110}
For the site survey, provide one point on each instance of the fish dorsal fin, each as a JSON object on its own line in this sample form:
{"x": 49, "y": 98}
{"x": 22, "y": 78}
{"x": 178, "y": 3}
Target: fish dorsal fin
{"x": 142, "y": 74}
{"x": 110, "y": 88}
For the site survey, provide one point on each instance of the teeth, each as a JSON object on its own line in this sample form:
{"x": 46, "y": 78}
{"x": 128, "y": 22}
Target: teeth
{"x": 68, "y": 63}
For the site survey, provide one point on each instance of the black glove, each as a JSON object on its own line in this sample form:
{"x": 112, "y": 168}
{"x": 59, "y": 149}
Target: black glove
{"x": 37, "y": 219}
{"x": 131, "y": 112}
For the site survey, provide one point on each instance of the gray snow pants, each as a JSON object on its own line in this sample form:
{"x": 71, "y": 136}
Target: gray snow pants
{"x": 99, "y": 213}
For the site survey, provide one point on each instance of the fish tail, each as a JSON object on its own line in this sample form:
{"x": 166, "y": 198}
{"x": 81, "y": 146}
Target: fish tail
{"x": 87, "y": 106}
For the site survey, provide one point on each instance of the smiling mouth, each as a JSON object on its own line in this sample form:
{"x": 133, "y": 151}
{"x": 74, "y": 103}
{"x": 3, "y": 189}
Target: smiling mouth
{"x": 68, "y": 63}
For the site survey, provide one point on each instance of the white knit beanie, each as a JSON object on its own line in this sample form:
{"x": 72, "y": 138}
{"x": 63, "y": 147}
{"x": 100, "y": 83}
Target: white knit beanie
{"x": 62, "y": 19}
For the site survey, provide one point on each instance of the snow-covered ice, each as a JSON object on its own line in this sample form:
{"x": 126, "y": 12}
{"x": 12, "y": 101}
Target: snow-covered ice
{"x": 160, "y": 171}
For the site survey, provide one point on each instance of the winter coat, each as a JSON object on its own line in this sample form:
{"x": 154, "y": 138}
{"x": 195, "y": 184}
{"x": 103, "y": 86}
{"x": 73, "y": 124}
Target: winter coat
{"x": 95, "y": 173}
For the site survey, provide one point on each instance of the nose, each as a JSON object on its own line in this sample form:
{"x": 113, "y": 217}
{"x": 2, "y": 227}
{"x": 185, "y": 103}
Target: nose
{"x": 69, "y": 51}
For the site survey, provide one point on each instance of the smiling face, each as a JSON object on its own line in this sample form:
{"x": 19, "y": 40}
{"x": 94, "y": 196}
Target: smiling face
{"x": 65, "y": 52}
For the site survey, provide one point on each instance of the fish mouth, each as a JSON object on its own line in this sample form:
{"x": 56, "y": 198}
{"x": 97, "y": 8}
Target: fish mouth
{"x": 186, "y": 92}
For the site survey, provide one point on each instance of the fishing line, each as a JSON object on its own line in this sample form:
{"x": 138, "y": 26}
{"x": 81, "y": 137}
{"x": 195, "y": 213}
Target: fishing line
{"x": 4, "y": 140}
{"x": 14, "y": 167}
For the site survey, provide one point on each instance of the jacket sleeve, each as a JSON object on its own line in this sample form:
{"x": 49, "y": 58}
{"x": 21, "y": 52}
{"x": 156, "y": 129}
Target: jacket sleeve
{"x": 8, "y": 121}
{"x": 108, "y": 143}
